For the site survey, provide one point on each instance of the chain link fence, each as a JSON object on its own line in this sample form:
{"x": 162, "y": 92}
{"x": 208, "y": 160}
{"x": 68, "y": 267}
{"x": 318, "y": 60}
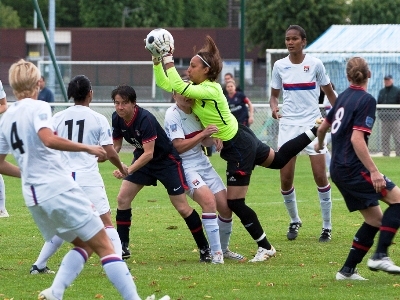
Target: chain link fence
{"x": 266, "y": 128}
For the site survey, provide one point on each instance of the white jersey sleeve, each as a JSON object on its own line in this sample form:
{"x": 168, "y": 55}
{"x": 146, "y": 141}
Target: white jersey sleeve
{"x": 2, "y": 92}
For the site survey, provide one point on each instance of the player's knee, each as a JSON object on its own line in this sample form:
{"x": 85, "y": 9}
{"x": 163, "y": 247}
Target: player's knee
{"x": 279, "y": 161}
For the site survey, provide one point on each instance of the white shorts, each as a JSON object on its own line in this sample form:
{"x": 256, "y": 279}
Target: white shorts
{"x": 97, "y": 195}
{"x": 68, "y": 215}
{"x": 288, "y": 132}
{"x": 203, "y": 175}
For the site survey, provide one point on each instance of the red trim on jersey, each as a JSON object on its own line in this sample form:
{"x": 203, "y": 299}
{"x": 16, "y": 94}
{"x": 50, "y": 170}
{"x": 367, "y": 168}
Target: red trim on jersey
{"x": 357, "y": 87}
{"x": 359, "y": 128}
{"x": 135, "y": 110}
{"x": 300, "y": 86}
{"x": 193, "y": 134}
{"x": 246, "y": 100}
{"x": 149, "y": 140}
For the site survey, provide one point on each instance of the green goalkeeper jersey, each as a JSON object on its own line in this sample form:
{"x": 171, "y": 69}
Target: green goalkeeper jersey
{"x": 210, "y": 104}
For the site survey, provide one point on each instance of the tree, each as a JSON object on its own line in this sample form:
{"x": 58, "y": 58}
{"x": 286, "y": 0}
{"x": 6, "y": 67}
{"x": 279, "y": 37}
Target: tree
{"x": 8, "y": 17}
{"x": 374, "y": 12}
{"x": 101, "y": 13}
{"x": 267, "y": 22}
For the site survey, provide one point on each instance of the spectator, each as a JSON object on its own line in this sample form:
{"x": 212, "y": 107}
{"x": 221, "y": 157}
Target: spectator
{"x": 229, "y": 77}
{"x": 390, "y": 118}
{"x": 45, "y": 93}
{"x": 240, "y": 106}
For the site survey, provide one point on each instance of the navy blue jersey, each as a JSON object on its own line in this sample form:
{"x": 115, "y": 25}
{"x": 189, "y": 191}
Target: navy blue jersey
{"x": 238, "y": 107}
{"x": 143, "y": 128}
{"x": 354, "y": 109}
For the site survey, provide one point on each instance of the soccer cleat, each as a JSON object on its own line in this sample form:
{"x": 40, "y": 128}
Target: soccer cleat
{"x": 205, "y": 255}
{"x": 293, "y": 230}
{"x": 218, "y": 258}
{"x": 384, "y": 264}
{"x": 35, "y": 270}
{"x": 263, "y": 254}
{"x": 233, "y": 255}
{"x": 326, "y": 235}
{"x": 126, "y": 254}
{"x": 349, "y": 276}
{"x": 4, "y": 213}
{"x": 47, "y": 294}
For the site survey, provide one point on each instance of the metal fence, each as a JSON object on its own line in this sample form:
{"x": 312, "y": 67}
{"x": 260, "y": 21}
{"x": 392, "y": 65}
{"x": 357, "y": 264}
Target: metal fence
{"x": 266, "y": 128}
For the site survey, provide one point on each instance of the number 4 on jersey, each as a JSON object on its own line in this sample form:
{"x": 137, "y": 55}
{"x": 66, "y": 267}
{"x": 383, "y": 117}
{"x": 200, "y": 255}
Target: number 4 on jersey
{"x": 16, "y": 142}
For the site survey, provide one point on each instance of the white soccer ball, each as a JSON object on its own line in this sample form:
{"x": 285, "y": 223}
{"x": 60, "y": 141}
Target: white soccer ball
{"x": 152, "y": 36}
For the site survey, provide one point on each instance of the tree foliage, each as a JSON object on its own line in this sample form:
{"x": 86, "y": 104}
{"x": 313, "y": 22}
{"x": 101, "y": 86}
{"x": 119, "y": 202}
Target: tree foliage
{"x": 8, "y": 17}
{"x": 374, "y": 12}
{"x": 268, "y": 21}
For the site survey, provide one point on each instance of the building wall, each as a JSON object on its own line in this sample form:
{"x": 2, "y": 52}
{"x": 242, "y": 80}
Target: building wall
{"x": 126, "y": 44}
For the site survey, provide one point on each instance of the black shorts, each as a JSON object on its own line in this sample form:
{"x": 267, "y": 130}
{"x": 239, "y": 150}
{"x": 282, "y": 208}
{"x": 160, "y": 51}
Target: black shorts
{"x": 168, "y": 171}
{"x": 243, "y": 152}
{"x": 358, "y": 191}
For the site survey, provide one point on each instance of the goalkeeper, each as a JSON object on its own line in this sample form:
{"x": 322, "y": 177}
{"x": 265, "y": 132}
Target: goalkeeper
{"x": 241, "y": 149}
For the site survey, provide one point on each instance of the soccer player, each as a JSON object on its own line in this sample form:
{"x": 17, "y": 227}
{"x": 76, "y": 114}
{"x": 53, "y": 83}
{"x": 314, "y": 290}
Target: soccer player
{"x": 81, "y": 124}
{"x": 300, "y": 77}
{"x": 241, "y": 149}
{"x": 56, "y": 202}
{"x": 154, "y": 159}
{"x": 205, "y": 186}
{"x": 3, "y": 108}
{"x": 355, "y": 174}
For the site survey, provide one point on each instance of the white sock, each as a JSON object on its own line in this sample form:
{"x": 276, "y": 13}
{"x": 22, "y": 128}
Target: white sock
{"x": 115, "y": 240}
{"x": 324, "y": 194}
{"x": 212, "y": 230}
{"x": 225, "y": 231}
{"x": 327, "y": 159}
{"x": 71, "y": 266}
{"x": 118, "y": 273}
{"x": 2, "y": 194}
{"x": 289, "y": 198}
{"x": 48, "y": 249}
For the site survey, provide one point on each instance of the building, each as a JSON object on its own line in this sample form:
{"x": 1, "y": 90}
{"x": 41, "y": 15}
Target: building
{"x": 125, "y": 44}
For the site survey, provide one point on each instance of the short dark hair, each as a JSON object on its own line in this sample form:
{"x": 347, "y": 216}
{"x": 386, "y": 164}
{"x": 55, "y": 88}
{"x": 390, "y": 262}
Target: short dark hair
{"x": 299, "y": 29}
{"x": 126, "y": 92}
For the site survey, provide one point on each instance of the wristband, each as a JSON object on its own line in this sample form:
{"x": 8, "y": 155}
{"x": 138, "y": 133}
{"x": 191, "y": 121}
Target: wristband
{"x": 168, "y": 59}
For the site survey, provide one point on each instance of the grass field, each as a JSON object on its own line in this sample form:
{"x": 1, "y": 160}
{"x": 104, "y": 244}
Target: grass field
{"x": 165, "y": 261}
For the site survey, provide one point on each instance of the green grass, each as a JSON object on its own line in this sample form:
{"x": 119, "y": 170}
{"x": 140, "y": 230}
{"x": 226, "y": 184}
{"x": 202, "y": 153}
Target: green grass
{"x": 165, "y": 261}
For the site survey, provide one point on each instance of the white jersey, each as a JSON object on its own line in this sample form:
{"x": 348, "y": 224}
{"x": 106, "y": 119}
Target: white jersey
{"x": 179, "y": 125}
{"x": 42, "y": 172}
{"x": 81, "y": 124}
{"x": 2, "y": 92}
{"x": 300, "y": 84}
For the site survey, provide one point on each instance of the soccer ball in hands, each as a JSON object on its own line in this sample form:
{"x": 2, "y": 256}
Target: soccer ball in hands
{"x": 157, "y": 34}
